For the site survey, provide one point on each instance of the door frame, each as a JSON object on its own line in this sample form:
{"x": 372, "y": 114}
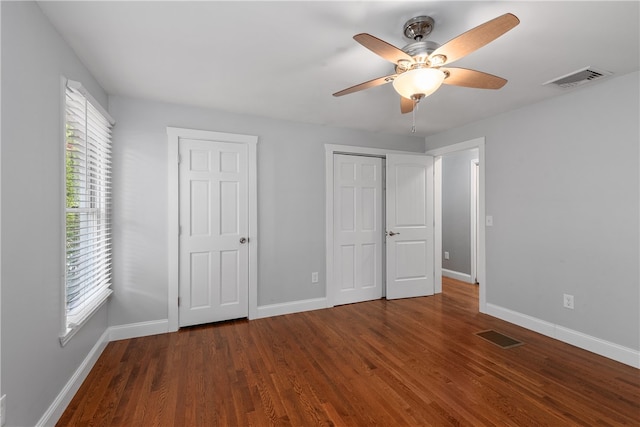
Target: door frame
{"x": 437, "y": 153}
{"x": 474, "y": 178}
{"x": 174, "y": 135}
{"x": 330, "y": 150}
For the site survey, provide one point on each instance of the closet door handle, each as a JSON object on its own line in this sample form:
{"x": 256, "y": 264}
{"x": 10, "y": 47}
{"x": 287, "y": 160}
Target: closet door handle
{"x": 244, "y": 240}
{"x": 391, "y": 233}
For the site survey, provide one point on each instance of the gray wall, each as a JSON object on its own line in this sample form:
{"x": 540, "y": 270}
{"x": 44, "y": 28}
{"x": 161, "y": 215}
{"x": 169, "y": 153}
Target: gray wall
{"x": 456, "y": 210}
{"x": 562, "y": 184}
{"x": 291, "y": 201}
{"x": 291, "y": 208}
{"x": 34, "y": 366}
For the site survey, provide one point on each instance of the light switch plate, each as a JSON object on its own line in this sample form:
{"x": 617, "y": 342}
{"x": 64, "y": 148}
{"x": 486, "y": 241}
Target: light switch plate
{"x": 489, "y": 221}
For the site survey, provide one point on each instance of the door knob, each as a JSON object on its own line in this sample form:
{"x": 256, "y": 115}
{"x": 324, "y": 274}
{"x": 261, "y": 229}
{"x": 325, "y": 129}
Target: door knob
{"x": 244, "y": 240}
{"x": 391, "y": 233}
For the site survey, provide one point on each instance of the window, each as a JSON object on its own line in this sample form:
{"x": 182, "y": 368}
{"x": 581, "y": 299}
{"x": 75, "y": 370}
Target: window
{"x": 87, "y": 144}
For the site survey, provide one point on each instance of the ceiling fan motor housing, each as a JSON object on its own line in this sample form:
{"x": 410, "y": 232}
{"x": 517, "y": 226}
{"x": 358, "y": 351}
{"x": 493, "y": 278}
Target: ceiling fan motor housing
{"x": 418, "y": 28}
{"x": 420, "y": 51}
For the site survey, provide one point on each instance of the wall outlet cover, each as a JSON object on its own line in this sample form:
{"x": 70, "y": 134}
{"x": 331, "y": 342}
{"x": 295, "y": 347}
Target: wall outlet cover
{"x": 568, "y": 301}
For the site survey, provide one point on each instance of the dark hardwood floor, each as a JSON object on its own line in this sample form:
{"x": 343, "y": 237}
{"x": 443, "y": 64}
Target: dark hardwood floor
{"x": 389, "y": 363}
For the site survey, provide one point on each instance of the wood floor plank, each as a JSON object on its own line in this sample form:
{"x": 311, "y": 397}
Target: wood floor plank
{"x": 402, "y": 362}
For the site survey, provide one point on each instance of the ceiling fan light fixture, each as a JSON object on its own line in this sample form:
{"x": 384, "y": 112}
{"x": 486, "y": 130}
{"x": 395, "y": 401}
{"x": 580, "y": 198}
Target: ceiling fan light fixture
{"x": 418, "y": 83}
{"x": 437, "y": 60}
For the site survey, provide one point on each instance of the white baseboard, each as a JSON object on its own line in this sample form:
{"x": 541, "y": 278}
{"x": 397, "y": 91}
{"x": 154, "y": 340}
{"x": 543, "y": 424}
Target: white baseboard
{"x": 604, "y": 348}
{"x": 622, "y": 354}
{"x": 114, "y": 333}
{"x": 60, "y": 403}
{"x": 463, "y": 277}
{"x": 135, "y": 330}
{"x": 619, "y": 353}
{"x": 290, "y": 307}
{"x": 526, "y": 321}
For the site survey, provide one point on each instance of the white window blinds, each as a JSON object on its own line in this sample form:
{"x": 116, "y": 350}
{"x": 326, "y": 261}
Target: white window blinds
{"x": 88, "y": 206}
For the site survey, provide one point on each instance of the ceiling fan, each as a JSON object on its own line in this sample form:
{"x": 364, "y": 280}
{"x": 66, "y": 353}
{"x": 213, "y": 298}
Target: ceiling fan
{"x": 420, "y": 65}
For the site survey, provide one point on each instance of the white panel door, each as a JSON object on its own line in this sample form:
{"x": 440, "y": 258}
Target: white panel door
{"x": 357, "y": 228}
{"x": 409, "y": 226}
{"x": 214, "y": 253}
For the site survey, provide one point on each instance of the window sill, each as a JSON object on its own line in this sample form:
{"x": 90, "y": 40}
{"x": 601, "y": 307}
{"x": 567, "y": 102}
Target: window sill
{"x": 82, "y": 318}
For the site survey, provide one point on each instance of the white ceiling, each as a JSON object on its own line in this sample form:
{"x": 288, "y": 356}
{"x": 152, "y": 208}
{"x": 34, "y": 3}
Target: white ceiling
{"x": 285, "y": 59}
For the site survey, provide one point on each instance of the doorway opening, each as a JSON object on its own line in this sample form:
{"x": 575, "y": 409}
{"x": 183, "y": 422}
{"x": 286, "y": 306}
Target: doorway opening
{"x": 478, "y": 247}
{"x": 459, "y": 215}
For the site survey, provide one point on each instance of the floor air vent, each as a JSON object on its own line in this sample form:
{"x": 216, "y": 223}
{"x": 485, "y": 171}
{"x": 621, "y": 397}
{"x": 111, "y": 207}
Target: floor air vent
{"x": 578, "y": 78}
{"x": 499, "y": 339}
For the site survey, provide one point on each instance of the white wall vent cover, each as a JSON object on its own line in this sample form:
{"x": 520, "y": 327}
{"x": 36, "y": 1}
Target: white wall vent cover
{"x": 579, "y": 77}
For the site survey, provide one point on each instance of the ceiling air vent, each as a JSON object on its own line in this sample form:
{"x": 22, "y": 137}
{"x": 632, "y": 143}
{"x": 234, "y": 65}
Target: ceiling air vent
{"x": 578, "y": 78}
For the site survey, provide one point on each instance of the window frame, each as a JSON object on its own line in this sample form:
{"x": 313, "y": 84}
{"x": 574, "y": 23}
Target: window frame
{"x": 99, "y": 298}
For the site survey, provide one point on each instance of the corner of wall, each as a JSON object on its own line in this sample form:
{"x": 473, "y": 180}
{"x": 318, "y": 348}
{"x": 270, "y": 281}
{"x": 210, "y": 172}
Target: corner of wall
{"x": 62, "y": 400}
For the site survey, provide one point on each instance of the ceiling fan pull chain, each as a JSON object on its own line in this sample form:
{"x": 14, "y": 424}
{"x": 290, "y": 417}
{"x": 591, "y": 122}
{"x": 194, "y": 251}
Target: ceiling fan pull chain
{"x": 413, "y": 115}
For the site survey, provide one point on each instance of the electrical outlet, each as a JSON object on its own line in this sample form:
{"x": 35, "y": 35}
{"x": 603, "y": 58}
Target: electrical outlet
{"x": 446, "y": 255}
{"x": 3, "y": 409}
{"x": 314, "y": 277}
{"x": 568, "y": 301}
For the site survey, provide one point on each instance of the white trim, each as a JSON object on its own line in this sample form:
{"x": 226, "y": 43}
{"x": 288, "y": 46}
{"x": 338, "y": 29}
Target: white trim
{"x": 62, "y": 304}
{"x": 173, "y": 138}
{"x": 173, "y": 222}
{"x": 136, "y": 330}
{"x": 252, "y": 162}
{"x": 113, "y": 333}
{"x": 290, "y": 307}
{"x": 367, "y": 151}
{"x": 463, "y": 277}
{"x": 610, "y": 350}
{"x": 478, "y": 143}
{"x": 329, "y": 151}
{"x": 460, "y": 146}
{"x": 87, "y": 313}
{"x": 437, "y": 219}
{"x": 78, "y": 86}
{"x": 526, "y": 321}
{"x": 2, "y": 396}
{"x": 474, "y": 173}
{"x": 62, "y": 400}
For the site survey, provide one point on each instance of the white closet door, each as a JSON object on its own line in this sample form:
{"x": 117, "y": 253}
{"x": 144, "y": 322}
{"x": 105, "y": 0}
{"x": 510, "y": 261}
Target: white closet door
{"x": 409, "y": 228}
{"x": 358, "y": 229}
